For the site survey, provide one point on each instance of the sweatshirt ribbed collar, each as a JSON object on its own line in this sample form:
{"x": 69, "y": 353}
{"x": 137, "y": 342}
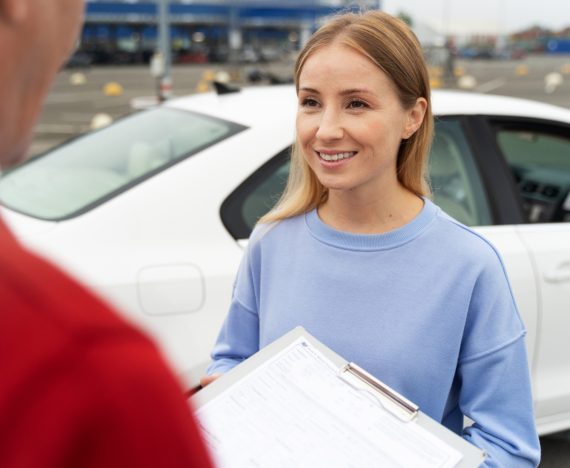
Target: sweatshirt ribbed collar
{"x": 368, "y": 242}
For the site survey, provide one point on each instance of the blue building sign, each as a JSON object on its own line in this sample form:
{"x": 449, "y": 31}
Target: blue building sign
{"x": 558, "y": 46}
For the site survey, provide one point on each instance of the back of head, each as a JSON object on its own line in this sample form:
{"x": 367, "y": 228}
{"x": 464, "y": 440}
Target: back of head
{"x": 36, "y": 36}
{"x": 391, "y": 45}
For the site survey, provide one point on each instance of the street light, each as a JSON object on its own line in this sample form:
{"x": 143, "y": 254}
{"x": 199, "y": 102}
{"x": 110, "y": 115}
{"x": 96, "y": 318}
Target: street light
{"x": 161, "y": 61}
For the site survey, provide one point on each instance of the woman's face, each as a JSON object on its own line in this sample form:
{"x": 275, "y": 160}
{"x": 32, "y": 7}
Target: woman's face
{"x": 350, "y": 122}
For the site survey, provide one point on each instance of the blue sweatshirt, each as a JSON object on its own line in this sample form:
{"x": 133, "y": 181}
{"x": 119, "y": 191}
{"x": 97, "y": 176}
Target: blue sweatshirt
{"x": 426, "y": 308}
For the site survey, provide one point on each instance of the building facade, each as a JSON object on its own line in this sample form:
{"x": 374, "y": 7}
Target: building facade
{"x": 205, "y": 30}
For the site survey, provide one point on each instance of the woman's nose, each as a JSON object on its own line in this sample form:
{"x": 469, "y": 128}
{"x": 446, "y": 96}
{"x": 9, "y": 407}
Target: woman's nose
{"x": 330, "y": 127}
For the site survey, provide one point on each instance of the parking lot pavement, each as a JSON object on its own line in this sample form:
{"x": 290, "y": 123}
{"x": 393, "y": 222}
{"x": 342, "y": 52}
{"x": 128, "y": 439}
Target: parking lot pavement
{"x": 555, "y": 450}
{"x": 79, "y": 95}
{"x": 528, "y": 78}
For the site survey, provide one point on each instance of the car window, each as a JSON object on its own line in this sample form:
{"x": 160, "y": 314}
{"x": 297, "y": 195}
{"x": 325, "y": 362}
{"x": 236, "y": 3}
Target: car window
{"x": 540, "y": 162}
{"x": 256, "y": 196}
{"x": 455, "y": 180}
{"x": 261, "y": 200}
{"x": 84, "y": 172}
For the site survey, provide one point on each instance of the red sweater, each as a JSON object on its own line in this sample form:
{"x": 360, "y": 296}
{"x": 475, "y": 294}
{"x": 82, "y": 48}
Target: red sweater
{"x": 78, "y": 386}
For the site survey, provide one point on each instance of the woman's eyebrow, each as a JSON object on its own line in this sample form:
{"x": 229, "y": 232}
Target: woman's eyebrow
{"x": 344, "y": 92}
{"x": 355, "y": 91}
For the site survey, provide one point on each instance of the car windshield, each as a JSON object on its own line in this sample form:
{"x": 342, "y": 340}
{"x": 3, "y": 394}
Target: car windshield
{"x": 80, "y": 174}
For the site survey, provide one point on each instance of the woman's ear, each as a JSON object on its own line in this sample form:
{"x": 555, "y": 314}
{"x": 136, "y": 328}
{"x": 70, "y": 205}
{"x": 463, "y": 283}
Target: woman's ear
{"x": 415, "y": 118}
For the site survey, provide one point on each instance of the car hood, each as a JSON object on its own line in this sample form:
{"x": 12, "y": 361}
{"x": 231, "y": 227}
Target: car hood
{"x": 25, "y": 227}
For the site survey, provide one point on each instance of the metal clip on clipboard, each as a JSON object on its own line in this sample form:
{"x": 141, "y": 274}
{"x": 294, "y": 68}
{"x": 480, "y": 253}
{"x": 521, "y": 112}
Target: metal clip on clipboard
{"x": 391, "y": 400}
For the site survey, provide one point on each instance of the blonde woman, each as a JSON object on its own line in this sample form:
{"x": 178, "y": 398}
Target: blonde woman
{"x": 357, "y": 253}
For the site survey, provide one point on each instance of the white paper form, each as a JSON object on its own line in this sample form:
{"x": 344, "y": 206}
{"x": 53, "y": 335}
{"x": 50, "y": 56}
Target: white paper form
{"x": 295, "y": 411}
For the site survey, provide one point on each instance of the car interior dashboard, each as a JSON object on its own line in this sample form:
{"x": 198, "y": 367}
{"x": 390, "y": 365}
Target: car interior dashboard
{"x": 545, "y": 193}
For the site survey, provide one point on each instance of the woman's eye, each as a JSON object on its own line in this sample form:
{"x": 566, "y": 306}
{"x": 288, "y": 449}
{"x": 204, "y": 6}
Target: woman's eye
{"x": 309, "y": 102}
{"x": 357, "y": 104}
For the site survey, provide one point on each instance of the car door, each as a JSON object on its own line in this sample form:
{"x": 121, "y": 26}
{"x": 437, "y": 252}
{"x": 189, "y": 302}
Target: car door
{"x": 538, "y": 154}
{"x": 465, "y": 168}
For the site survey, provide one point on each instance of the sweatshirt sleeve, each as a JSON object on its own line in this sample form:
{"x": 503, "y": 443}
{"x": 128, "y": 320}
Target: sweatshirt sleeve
{"x": 497, "y": 398}
{"x": 239, "y": 336}
{"x": 494, "y": 374}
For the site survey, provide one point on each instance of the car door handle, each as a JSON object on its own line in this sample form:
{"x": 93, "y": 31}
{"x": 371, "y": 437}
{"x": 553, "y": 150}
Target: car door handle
{"x": 559, "y": 274}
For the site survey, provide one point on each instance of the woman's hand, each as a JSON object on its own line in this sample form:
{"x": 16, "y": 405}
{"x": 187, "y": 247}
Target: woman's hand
{"x": 208, "y": 379}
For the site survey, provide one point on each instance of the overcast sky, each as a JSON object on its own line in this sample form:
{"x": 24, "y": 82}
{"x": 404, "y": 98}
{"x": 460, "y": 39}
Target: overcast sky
{"x": 462, "y": 17}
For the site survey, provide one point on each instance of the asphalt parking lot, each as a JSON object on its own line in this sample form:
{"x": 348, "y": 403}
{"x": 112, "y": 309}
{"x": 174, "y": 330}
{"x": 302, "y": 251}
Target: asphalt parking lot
{"x": 79, "y": 94}
{"x": 78, "y": 97}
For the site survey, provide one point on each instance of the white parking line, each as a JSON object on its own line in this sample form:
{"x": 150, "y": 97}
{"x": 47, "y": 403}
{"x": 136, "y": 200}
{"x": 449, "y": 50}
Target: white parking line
{"x": 71, "y": 129}
{"x": 491, "y": 85}
{"x": 65, "y": 97}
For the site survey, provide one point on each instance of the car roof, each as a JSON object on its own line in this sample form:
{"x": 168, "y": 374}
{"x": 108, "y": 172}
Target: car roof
{"x": 452, "y": 102}
{"x": 251, "y": 105}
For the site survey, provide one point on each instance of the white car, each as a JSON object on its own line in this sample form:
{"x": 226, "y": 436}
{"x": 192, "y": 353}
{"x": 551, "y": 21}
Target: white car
{"x": 154, "y": 211}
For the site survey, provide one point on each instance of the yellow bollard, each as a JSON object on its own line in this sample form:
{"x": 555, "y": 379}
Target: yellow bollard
{"x": 112, "y": 89}
{"x": 202, "y": 87}
{"x": 565, "y": 68}
{"x": 208, "y": 75}
{"x": 435, "y": 71}
{"x": 521, "y": 70}
{"x": 435, "y": 82}
{"x": 458, "y": 72}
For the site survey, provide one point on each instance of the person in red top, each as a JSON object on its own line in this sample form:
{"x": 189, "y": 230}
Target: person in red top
{"x": 78, "y": 386}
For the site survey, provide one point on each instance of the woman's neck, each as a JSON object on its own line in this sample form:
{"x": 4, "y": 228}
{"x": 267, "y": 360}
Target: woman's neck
{"x": 350, "y": 213}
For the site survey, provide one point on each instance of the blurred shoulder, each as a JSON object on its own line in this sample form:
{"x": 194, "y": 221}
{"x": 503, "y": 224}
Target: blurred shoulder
{"x": 465, "y": 241}
{"x": 277, "y": 230}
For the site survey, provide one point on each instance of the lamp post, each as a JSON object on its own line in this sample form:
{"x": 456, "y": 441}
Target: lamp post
{"x": 234, "y": 35}
{"x": 161, "y": 62}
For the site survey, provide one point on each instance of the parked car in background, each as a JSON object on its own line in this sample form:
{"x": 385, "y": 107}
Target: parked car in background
{"x": 154, "y": 211}
{"x": 491, "y": 53}
{"x": 79, "y": 59}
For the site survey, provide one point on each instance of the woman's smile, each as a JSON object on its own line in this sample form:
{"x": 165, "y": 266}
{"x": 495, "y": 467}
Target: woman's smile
{"x": 335, "y": 156}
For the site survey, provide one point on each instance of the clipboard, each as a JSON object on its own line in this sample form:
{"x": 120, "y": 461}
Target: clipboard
{"x": 405, "y": 411}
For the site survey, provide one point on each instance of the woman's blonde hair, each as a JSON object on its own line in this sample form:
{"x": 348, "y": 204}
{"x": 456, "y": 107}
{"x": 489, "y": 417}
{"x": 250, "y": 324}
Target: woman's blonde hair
{"x": 390, "y": 44}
